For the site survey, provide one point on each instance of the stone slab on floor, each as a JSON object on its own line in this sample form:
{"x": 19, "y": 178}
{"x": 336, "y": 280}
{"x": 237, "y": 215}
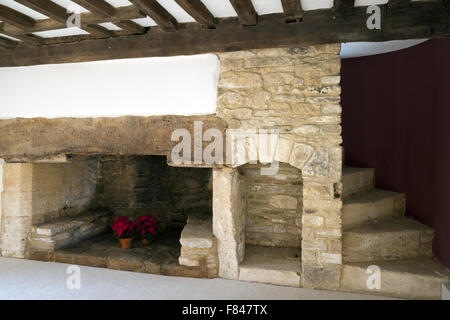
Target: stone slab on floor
{"x": 66, "y": 231}
{"x": 197, "y": 233}
{"x": 104, "y": 251}
{"x": 279, "y": 266}
{"x": 410, "y": 279}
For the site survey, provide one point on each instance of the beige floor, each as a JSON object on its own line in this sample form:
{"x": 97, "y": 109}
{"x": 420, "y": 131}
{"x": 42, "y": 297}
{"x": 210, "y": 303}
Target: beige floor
{"x": 25, "y": 279}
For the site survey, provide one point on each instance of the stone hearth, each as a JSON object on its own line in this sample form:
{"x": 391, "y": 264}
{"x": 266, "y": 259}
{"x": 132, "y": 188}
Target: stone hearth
{"x": 103, "y": 251}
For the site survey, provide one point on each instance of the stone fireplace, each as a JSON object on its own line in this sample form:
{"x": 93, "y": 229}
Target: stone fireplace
{"x": 66, "y": 179}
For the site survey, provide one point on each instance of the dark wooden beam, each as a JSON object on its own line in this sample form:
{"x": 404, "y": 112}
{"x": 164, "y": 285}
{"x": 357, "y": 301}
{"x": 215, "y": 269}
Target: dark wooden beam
{"x": 30, "y": 39}
{"x": 245, "y": 11}
{"x": 198, "y": 11}
{"x": 157, "y": 12}
{"x": 344, "y": 7}
{"x": 105, "y": 10}
{"x": 122, "y": 13}
{"x": 16, "y": 18}
{"x": 96, "y": 30}
{"x": 48, "y": 8}
{"x": 423, "y": 20}
{"x": 7, "y": 43}
{"x": 293, "y": 10}
{"x": 98, "y": 7}
{"x": 60, "y": 14}
{"x": 395, "y": 5}
{"x": 131, "y": 26}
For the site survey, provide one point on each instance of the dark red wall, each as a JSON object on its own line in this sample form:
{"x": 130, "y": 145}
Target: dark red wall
{"x": 396, "y": 118}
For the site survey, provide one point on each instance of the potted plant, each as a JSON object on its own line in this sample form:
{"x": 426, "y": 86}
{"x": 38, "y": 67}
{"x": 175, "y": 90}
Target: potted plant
{"x": 124, "y": 229}
{"x": 147, "y": 227}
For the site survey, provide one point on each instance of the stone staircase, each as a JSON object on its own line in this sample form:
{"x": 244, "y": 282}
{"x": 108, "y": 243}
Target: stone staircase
{"x": 376, "y": 232}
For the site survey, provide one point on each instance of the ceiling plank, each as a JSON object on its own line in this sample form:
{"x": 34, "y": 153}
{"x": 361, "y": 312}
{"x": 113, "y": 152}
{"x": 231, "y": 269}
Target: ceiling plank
{"x": 98, "y": 7}
{"x": 245, "y": 11}
{"x": 293, "y": 10}
{"x": 198, "y": 11}
{"x": 423, "y": 20}
{"x": 16, "y": 18}
{"x": 157, "y": 12}
{"x": 7, "y": 43}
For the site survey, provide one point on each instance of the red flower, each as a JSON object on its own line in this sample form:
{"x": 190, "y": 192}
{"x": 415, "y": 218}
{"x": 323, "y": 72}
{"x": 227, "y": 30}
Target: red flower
{"x": 147, "y": 226}
{"x": 123, "y": 227}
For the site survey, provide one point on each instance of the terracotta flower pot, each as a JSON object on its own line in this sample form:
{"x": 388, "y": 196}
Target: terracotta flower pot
{"x": 145, "y": 242}
{"x": 126, "y": 243}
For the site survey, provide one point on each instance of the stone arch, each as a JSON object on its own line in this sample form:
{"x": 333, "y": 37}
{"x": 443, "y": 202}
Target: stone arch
{"x": 321, "y": 169}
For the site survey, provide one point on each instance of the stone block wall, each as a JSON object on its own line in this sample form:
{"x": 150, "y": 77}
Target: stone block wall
{"x": 296, "y": 91}
{"x": 274, "y": 206}
{"x": 39, "y": 192}
{"x": 138, "y": 185}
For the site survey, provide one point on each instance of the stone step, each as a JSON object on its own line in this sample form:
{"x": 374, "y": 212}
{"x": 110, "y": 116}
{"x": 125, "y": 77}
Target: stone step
{"x": 66, "y": 231}
{"x": 374, "y": 204}
{"x": 356, "y": 180}
{"x": 409, "y": 279}
{"x": 272, "y": 265}
{"x": 388, "y": 239}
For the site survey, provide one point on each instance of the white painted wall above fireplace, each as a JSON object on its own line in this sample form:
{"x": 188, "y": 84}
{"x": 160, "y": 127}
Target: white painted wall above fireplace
{"x": 184, "y": 85}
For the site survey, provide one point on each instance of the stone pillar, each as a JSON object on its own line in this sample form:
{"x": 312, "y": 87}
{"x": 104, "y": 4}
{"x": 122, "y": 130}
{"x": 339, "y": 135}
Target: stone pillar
{"x": 17, "y": 204}
{"x": 322, "y": 221}
{"x": 297, "y": 92}
{"x": 229, "y": 220}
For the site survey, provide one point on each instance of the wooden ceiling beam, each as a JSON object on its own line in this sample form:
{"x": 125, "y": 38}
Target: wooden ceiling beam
{"x": 105, "y": 10}
{"x": 48, "y": 8}
{"x": 422, "y": 20}
{"x": 293, "y": 10}
{"x": 123, "y": 13}
{"x": 7, "y": 43}
{"x": 157, "y": 12}
{"x": 344, "y": 7}
{"x": 16, "y": 18}
{"x": 131, "y": 26}
{"x": 60, "y": 14}
{"x": 197, "y": 10}
{"x": 245, "y": 11}
{"x": 98, "y": 7}
{"x": 401, "y": 5}
{"x": 30, "y": 39}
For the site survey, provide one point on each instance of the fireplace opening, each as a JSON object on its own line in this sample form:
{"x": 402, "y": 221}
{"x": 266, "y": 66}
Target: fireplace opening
{"x": 110, "y": 186}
